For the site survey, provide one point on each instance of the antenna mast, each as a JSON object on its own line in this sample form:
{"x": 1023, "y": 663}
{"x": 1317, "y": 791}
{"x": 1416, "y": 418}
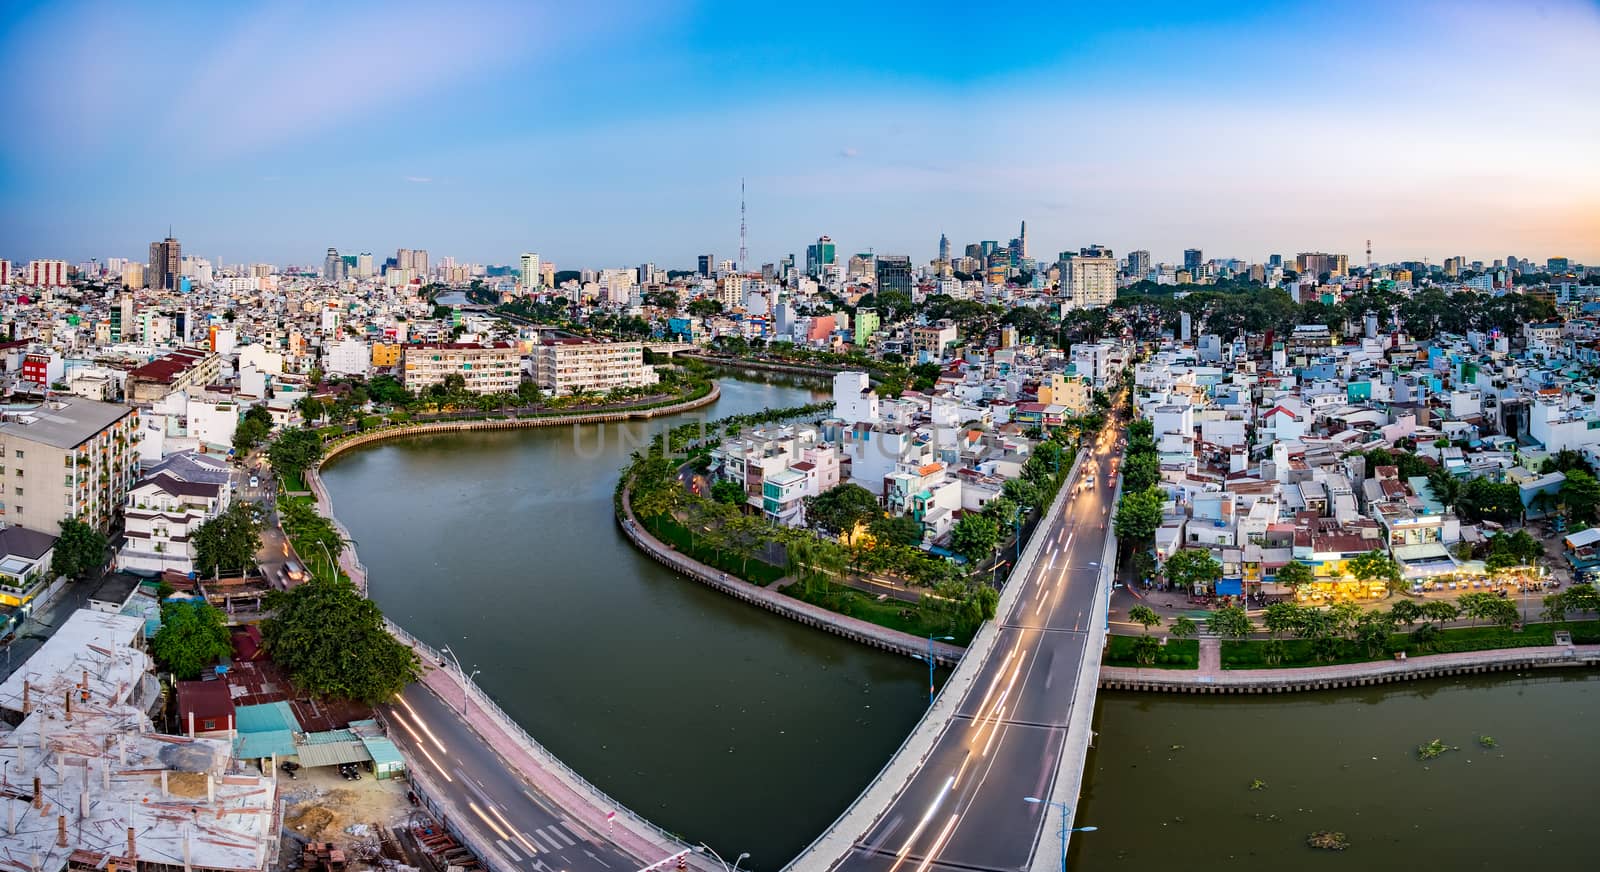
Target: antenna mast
{"x": 744, "y": 255}
{"x": 1369, "y": 252}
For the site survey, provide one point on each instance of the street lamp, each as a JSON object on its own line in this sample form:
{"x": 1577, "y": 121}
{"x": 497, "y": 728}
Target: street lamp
{"x": 1066, "y": 813}
{"x": 930, "y": 661}
{"x": 704, "y": 848}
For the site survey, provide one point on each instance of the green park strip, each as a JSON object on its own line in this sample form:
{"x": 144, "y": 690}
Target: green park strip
{"x": 675, "y": 534}
{"x": 1176, "y": 654}
{"x": 914, "y": 618}
{"x": 1300, "y": 653}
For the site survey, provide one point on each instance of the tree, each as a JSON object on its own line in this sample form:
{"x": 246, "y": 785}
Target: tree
{"x": 1442, "y": 611}
{"x": 1145, "y": 617}
{"x": 1282, "y": 618}
{"x": 1295, "y": 575}
{"x": 1376, "y": 566}
{"x": 1141, "y": 470}
{"x": 311, "y": 408}
{"x": 1230, "y": 622}
{"x": 294, "y": 451}
{"x": 1145, "y": 650}
{"x": 79, "y": 550}
{"x": 228, "y": 541}
{"x": 1183, "y": 627}
{"x": 1191, "y": 567}
{"x": 728, "y": 492}
{"x": 1023, "y": 492}
{"x": 253, "y": 429}
{"x": 1581, "y": 493}
{"x": 193, "y": 635}
{"x": 333, "y": 643}
{"x": 974, "y": 537}
{"x": 838, "y": 510}
{"x": 1406, "y": 612}
{"x": 896, "y": 530}
{"x": 1139, "y": 515}
{"x": 1482, "y": 499}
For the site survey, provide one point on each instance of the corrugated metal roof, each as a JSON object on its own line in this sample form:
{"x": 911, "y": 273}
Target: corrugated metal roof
{"x": 265, "y": 717}
{"x": 332, "y": 753}
{"x": 266, "y": 743}
{"x": 384, "y": 753}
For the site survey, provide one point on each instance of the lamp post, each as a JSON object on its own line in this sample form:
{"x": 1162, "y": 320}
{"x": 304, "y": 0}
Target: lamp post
{"x": 466, "y": 679}
{"x": 704, "y": 848}
{"x": 930, "y": 661}
{"x": 1065, "y": 814}
{"x": 332, "y": 566}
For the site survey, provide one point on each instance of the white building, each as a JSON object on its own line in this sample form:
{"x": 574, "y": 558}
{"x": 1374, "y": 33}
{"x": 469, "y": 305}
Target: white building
{"x": 1089, "y": 278}
{"x": 531, "y": 274}
{"x": 565, "y": 365}
{"x": 854, "y": 400}
{"x": 348, "y": 356}
{"x": 162, "y": 515}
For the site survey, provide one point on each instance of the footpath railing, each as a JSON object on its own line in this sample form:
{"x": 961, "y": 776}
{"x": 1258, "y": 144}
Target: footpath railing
{"x": 859, "y": 817}
{"x": 598, "y": 798}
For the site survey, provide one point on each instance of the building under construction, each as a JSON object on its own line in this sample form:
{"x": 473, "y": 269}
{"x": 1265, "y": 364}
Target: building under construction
{"x": 89, "y": 784}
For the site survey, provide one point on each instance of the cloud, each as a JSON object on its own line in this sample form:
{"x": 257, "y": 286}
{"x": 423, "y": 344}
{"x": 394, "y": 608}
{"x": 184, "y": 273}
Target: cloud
{"x": 421, "y": 180}
{"x": 849, "y": 151}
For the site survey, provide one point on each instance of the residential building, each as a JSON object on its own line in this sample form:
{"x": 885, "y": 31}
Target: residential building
{"x": 348, "y": 356}
{"x": 485, "y": 368}
{"x": 166, "y": 265}
{"x": 1089, "y": 278}
{"x": 932, "y": 343}
{"x": 529, "y": 273}
{"x": 66, "y": 458}
{"x": 162, "y": 514}
{"x": 866, "y": 324}
{"x": 572, "y": 364}
{"x": 181, "y": 370}
{"x": 47, "y": 273}
{"x": 24, "y": 566}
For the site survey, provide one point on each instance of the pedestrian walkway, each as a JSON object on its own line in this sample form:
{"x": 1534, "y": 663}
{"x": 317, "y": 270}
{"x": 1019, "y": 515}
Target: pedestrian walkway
{"x": 1210, "y": 655}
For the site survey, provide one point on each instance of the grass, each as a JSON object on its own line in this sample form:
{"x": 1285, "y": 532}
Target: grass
{"x": 1119, "y": 652}
{"x": 293, "y": 482}
{"x": 1247, "y": 654}
{"x": 892, "y": 614}
{"x": 675, "y": 534}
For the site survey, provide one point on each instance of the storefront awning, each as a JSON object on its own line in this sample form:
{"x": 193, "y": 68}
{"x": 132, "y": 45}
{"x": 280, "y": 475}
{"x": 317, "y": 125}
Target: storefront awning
{"x": 1230, "y": 587}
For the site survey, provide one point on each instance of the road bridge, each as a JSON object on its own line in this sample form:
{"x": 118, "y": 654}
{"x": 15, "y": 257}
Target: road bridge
{"x": 1012, "y": 722}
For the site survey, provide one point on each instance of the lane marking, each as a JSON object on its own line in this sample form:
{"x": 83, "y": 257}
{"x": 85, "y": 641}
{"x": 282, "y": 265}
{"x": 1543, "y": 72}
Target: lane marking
{"x": 424, "y": 726}
{"x": 900, "y": 855}
{"x": 938, "y": 844}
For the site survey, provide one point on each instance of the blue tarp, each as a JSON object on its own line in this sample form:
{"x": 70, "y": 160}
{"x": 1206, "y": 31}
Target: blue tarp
{"x": 1230, "y": 587}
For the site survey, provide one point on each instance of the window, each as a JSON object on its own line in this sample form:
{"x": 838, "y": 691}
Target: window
{"x": 208, "y": 724}
{"x": 19, "y": 453}
{"x": 19, "y": 473}
{"x": 19, "y": 491}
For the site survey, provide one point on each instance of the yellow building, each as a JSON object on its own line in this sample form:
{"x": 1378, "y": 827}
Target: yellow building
{"x": 386, "y": 354}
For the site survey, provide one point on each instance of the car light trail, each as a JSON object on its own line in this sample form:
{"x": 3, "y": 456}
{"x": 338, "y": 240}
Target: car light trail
{"x": 900, "y": 856}
{"x": 424, "y": 725}
{"x": 492, "y": 825}
{"x": 938, "y": 844}
{"x": 502, "y": 818}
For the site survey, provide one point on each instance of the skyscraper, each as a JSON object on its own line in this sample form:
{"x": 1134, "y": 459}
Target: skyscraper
{"x": 819, "y": 256}
{"x": 1089, "y": 278}
{"x": 1192, "y": 260}
{"x": 1139, "y": 264}
{"x": 166, "y": 265}
{"x": 364, "y": 265}
{"x": 894, "y": 273}
{"x": 333, "y": 266}
{"x": 707, "y": 263}
{"x": 944, "y": 248}
{"x": 531, "y": 277}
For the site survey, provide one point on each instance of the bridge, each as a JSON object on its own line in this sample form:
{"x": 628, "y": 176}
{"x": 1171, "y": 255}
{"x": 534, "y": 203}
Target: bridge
{"x": 669, "y": 348}
{"x": 1013, "y": 721}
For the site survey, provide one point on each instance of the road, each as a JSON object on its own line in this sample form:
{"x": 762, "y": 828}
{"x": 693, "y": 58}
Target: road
{"x": 528, "y": 829}
{"x": 964, "y": 809}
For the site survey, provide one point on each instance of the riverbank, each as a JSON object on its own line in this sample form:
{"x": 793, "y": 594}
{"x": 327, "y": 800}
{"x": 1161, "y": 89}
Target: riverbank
{"x": 812, "y": 370}
{"x": 1211, "y": 678}
{"x": 856, "y": 630}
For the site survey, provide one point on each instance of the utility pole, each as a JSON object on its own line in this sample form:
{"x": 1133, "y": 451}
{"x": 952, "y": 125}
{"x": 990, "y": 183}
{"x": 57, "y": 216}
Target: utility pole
{"x": 744, "y": 255}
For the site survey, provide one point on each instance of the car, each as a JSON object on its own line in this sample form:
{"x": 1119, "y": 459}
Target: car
{"x": 294, "y": 572}
{"x": 255, "y": 482}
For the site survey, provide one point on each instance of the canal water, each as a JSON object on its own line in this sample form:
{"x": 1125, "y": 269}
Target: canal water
{"x": 730, "y": 725}
{"x": 714, "y": 719}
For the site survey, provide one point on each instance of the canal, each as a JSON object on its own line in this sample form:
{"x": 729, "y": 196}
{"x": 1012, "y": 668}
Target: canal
{"x": 713, "y": 719}
{"x": 728, "y": 724}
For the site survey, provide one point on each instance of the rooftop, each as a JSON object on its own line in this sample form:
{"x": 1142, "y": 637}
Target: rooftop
{"x": 64, "y": 422}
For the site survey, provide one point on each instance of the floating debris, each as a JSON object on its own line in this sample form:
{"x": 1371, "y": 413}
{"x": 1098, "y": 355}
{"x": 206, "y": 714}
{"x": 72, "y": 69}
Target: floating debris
{"x": 1328, "y": 841}
{"x": 1258, "y": 784}
{"x": 1432, "y": 750}
{"x": 1176, "y": 748}
{"x": 1487, "y": 741}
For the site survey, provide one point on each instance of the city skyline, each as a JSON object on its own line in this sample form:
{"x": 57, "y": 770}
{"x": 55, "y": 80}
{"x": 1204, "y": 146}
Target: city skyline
{"x": 1161, "y": 127}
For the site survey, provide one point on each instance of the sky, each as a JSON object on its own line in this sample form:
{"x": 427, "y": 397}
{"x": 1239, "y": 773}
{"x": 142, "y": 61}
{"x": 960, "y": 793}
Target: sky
{"x": 610, "y": 133}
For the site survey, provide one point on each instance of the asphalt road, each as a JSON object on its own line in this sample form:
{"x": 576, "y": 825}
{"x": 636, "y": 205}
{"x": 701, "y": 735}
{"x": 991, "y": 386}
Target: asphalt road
{"x": 528, "y": 829}
{"x": 964, "y": 808}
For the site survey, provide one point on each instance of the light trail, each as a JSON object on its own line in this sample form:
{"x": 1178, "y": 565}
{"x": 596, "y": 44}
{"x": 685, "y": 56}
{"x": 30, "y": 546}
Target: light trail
{"x": 492, "y": 825}
{"x": 938, "y": 844}
{"x": 422, "y": 746}
{"x": 424, "y": 725}
{"x": 502, "y": 818}
{"x": 900, "y": 856}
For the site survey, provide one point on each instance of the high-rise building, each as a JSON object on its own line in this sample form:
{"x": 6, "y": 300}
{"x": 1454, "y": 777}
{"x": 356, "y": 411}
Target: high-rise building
{"x": 820, "y": 255}
{"x": 1192, "y": 260}
{"x": 1275, "y": 261}
{"x": 127, "y": 329}
{"x": 419, "y": 263}
{"x": 333, "y": 266}
{"x": 87, "y": 445}
{"x": 944, "y": 248}
{"x": 705, "y": 264}
{"x": 132, "y": 275}
{"x": 47, "y": 273}
{"x": 1314, "y": 263}
{"x": 894, "y": 273}
{"x": 1089, "y": 278}
{"x": 166, "y": 265}
{"x": 1557, "y": 264}
{"x": 1139, "y": 264}
{"x": 364, "y": 265}
{"x": 528, "y": 266}
{"x": 5, "y": 272}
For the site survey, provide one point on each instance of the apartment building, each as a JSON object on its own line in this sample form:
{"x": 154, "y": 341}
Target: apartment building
{"x": 181, "y": 370}
{"x": 570, "y": 364}
{"x": 490, "y": 368}
{"x": 67, "y": 458}
{"x": 161, "y": 514}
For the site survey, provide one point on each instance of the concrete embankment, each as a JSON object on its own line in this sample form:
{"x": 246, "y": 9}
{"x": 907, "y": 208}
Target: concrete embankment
{"x": 855, "y": 629}
{"x": 827, "y": 372}
{"x": 1348, "y": 675}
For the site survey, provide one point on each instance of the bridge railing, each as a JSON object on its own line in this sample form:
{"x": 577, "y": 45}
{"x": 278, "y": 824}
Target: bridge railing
{"x": 431, "y": 656}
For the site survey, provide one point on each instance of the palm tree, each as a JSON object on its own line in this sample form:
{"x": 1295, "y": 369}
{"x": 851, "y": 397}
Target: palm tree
{"x": 1446, "y": 487}
{"x": 1144, "y": 616}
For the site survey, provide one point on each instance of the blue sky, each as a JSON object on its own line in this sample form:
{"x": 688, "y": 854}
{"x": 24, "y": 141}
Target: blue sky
{"x": 607, "y": 132}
